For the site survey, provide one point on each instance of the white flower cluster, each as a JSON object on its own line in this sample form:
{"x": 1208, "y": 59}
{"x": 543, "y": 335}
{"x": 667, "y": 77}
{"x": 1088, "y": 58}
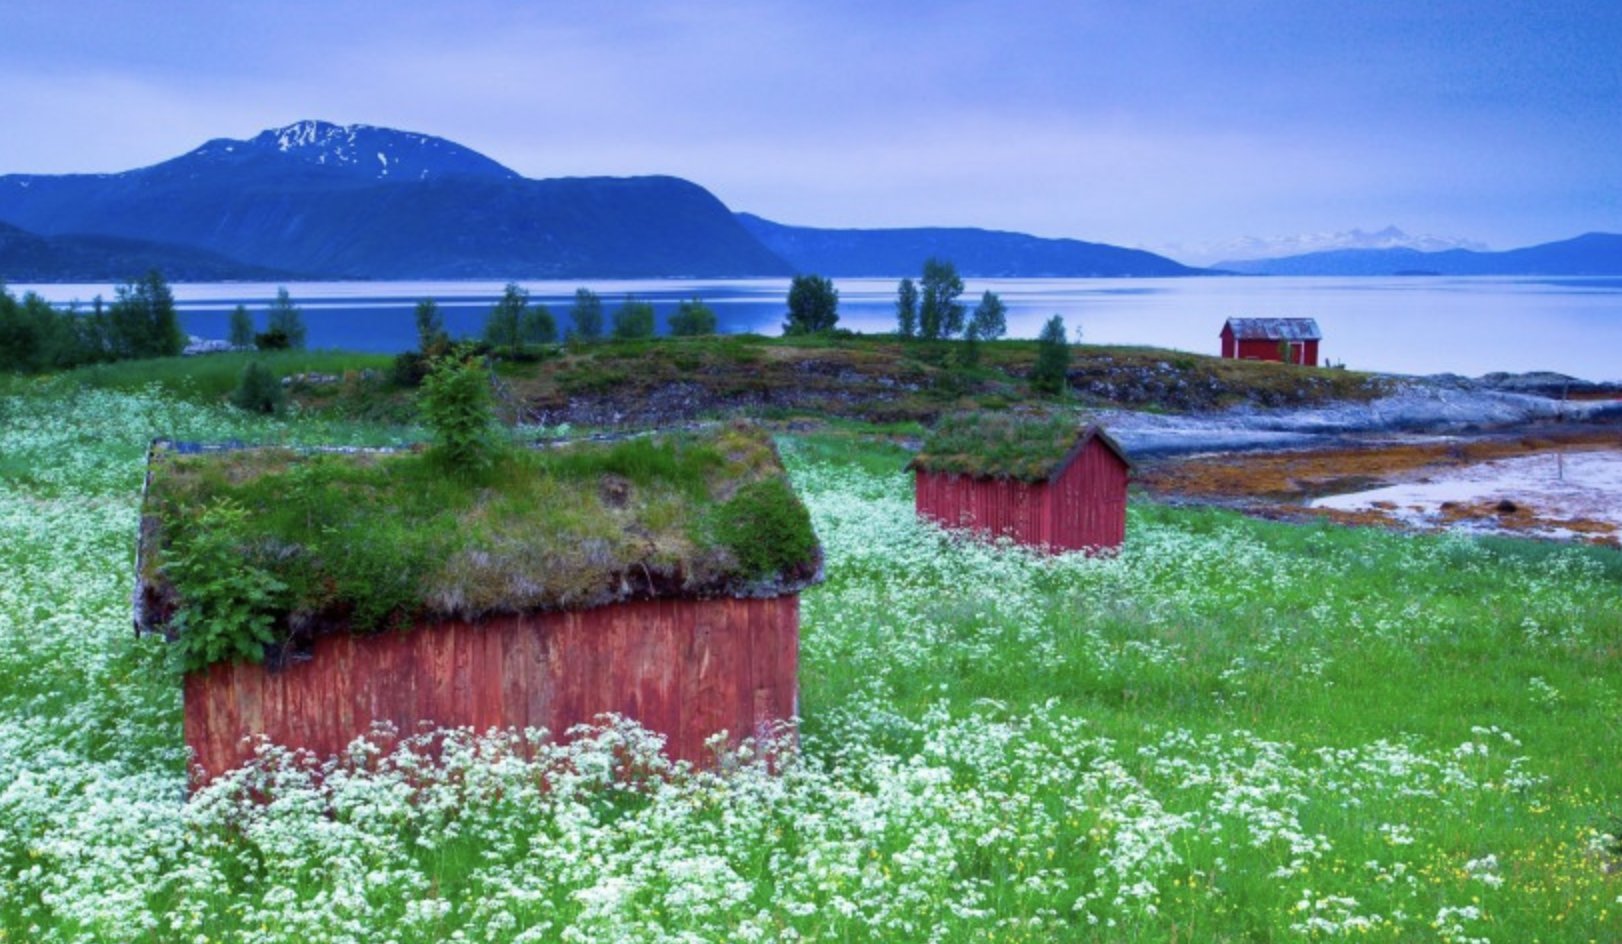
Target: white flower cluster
{"x": 996, "y": 745}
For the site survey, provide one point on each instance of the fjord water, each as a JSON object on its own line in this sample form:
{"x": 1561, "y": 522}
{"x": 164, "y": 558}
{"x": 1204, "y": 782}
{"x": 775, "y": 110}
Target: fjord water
{"x": 1409, "y": 325}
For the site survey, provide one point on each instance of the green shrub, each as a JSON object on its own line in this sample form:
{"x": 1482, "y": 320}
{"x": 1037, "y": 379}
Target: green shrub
{"x": 432, "y": 341}
{"x": 409, "y": 369}
{"x": 537, "y": 326}
{"x": 228, "y": 604}
{"x": 692, "y": 318}
{"x": 813, "y": 305}
{"x": 241, "y": 327}
{"x": 767, "y": 528}
{"x": 1052, "y": 359}
{"x": 287, "y": 319}
{"x": 457, "y": 405}
{"x": 258, "y": 390}
{"x": 274, "y": 339}
{"x": 586, "y": 315}
{"x": 633, "y": 319}
{"x": 503, "y": 326}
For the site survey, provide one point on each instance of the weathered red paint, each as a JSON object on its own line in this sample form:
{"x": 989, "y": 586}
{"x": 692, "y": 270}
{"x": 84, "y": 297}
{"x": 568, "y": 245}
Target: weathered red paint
{"x": 1304, "y": 353}
{"x": 1081, "y": 507}
{"x": 685, "y": 668}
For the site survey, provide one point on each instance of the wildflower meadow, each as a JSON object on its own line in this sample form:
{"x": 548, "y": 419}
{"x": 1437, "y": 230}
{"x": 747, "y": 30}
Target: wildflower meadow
{"x": 1233, "y": 730}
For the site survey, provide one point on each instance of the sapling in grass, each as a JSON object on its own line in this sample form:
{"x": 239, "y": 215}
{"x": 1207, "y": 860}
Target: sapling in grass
{"x": 457, "y": 405}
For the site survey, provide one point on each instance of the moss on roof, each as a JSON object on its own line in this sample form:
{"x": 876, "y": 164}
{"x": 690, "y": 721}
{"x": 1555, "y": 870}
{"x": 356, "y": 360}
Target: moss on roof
{"x": 368, "y": 540}
{"x": 1028, "y": 447}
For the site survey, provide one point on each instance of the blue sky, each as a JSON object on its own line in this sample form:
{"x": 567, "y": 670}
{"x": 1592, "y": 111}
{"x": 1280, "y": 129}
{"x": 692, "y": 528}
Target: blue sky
{"x": 1149, "y": 123}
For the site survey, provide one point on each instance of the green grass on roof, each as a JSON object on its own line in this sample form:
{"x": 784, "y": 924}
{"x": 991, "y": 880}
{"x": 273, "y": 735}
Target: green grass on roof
{"x": 1023, "y": 446}
{"x": 370, "y": 540}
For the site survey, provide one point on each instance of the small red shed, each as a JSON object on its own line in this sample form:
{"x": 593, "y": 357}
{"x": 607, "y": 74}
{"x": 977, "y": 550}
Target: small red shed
{"x": 656, "y": 578}
{"x": 1043, "y": 481}
{"x": 1290, "y": 340}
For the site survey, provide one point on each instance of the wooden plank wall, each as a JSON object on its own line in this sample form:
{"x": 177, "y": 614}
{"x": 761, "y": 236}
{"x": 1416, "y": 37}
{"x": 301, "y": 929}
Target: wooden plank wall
{"x": 1085, "y": 508}
{"x": 996, "y": 506}
{"x": 684, "y": 668}
{"x": 1089, "y": 501}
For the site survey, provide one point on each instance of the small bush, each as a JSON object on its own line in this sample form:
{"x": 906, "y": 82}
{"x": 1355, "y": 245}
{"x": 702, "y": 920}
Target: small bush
{"x": 273, "y": 340}
{"x": 409, "y": 369}
{"x": 691, "y": 319}
{"x": 537, "y": 326}
{"x": 1052, "y": 359}
{"x": 456, "y": 402}
{"x": 586, "y": 316}
{"x": 229, "y": 604}
{"x": 286, "y": 319}
{"x": 632, "y": 320}
{"x": 241, "y": 327}
{"x": 258, "y": 391}
{"x": 767, "y": 529}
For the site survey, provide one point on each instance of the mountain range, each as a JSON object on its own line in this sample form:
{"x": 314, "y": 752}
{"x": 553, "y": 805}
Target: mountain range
{"x": 1275, "y": 247}
{"x": 978, "y": 252}
{"x": 29, "y": 257}
{"x": 326, "y": 201}
{"x": 1592, "y": 254}
{"x": 318, "y": 200}
{"x": 315, "y": 200}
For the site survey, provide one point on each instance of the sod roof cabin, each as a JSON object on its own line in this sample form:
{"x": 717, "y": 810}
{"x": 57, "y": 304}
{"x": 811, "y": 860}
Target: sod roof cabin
{"x": 1290, "y": 340}
{"x": 315, "y": 592}
{"x": 1045, "y": 481}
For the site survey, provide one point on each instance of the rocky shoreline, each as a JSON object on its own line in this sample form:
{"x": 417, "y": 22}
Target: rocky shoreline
{"x": 1413, "y": 407}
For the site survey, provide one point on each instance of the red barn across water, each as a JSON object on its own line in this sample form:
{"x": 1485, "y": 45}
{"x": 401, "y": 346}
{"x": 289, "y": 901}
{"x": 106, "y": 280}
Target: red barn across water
{"x": 653, "y": 578}
{"x": 1290, "y": 340}
{"x": 1041, "y": 482}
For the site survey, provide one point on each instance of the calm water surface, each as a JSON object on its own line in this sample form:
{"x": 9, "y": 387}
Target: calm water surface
{"x": 1418, "y": 325}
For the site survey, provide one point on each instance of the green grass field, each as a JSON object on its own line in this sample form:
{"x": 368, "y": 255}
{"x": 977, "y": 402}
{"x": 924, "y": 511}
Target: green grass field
{"x": 1233, "y": 731}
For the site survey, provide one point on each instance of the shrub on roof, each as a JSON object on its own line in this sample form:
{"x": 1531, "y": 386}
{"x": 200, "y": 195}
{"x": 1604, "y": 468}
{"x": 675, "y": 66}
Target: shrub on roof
{"x": 766, "y": 528}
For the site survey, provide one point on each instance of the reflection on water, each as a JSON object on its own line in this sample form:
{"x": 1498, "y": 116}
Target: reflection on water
{"x": 1399, "y": 324}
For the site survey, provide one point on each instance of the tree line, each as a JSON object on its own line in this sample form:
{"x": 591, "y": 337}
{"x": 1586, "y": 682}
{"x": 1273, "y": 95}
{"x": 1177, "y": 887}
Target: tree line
{"x": 928, "y": 310}
{"x": 515, "y": 322}
{"x": 141, "y": 321}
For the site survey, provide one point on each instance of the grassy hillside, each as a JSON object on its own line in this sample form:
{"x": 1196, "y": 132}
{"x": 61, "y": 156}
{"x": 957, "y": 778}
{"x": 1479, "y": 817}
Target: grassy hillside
{"x": 1233, "y": 731}
{"x": 659, "y": 381}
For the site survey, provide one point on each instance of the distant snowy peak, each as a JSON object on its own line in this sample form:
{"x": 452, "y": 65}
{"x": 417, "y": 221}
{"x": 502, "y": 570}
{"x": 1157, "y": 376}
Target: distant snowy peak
{"x": 1255, "y": 247}
{"x": 366, "y": 150}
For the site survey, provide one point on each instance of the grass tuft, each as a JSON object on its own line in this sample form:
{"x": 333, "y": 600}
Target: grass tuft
{"x": 1024, "y": 446}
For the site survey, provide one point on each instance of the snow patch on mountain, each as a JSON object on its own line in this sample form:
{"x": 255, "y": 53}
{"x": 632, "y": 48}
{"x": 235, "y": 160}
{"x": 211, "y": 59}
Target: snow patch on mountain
{"x": 1272, "y": 247}
{"x": 351, "y": 148}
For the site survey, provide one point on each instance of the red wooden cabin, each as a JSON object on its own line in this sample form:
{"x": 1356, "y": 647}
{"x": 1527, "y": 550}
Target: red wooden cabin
{"x": 1073, "y": 500}
{"x": 685, "y": 668}
{"x": 688, "y": 648}
{"x": 1290, "y": 340}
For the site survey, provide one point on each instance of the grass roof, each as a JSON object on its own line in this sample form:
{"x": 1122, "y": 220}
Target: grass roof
{"x": 293, "y": 543}
{"x": 1027, "y": 447}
